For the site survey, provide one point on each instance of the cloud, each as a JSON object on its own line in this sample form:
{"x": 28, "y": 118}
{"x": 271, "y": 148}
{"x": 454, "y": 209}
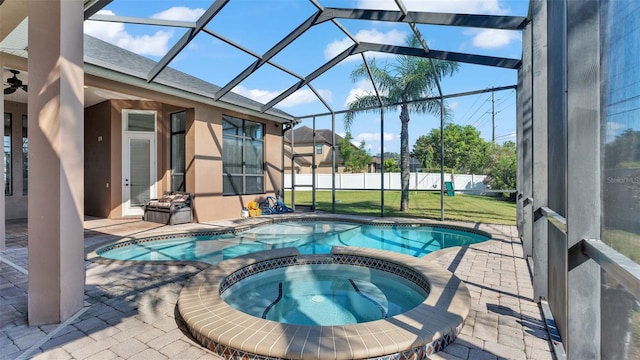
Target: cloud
{"x": 372, "y": 140}
{"x": 493, "y": 38}
{"x": 302, "y": 96}
{"x": 612, "y": 130}
{"x": 115, "y": 33}
{"x": 375, "y": 137}
{"x": 179, "y": 13}
{"x": 492, "y": 7}
{"x": 392, "y": 37}
{"x": 363, "y": 87}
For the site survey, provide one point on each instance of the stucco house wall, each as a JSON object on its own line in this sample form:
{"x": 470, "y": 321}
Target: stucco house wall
{"x": 203, "y": 137}
{"x": 203, "y": 155}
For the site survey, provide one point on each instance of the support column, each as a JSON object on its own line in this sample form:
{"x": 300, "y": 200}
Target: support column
{"x": 540, "y": 143}
{"x": 56, "y": 158}
{"x": 583, "y": 180}
{"x": 524, "y": 128}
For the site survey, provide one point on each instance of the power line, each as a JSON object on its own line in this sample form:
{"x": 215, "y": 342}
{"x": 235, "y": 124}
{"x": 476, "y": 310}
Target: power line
{"x": 512, "y": 134}
{"x": 470, "y": 107}
{"x": 480, "y": 121}
{"x": 505, "y": 97}
{"x": 478, "y": 109}
{"x": 505, "y": 107}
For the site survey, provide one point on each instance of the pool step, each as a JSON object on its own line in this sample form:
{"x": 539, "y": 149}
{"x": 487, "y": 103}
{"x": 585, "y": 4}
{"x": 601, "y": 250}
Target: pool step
{"x": 368, "y": 300}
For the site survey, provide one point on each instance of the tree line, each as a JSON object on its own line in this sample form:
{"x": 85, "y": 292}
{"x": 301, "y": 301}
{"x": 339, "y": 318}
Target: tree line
{"x": 466, "y": 152}
{"x": 400, "y": 85}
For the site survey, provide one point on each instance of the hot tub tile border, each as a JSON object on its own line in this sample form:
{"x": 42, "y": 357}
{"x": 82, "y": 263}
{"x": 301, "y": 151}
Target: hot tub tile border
{"x": 332, "y": 259}
{"x": 421, "y": 352}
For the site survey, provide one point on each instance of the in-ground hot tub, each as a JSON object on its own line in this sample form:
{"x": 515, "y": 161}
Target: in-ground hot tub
{"x": 414, "y": 332}
{"x": 325, "y": 290}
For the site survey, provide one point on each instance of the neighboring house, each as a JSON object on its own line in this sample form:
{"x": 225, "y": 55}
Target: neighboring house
{"x": 304, "y": 151}
{"x": 304, "y": 148}
{"x": 142, "y": 139}
{"x": 414, "y": 165}
{"x": 375, "y": 165}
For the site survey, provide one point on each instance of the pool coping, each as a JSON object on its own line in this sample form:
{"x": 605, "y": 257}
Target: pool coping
{"x": 418, "y": 333}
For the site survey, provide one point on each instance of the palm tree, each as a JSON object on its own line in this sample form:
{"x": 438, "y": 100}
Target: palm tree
{"x": 406, "y": 79}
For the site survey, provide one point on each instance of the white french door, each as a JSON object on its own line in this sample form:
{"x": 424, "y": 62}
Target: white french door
{"x": 138, "y": 161}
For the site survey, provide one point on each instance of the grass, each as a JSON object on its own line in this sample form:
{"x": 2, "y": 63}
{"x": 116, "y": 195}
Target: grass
{"x": 626, "y": 243}
{"x": 422, "y": 204}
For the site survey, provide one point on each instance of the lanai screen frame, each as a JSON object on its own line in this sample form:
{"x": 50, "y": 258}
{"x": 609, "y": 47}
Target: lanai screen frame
{"x": 333, "y": 164}
{"x": 326, "y": 14}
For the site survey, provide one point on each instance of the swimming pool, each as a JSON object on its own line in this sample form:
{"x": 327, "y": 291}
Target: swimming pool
{"x": 309, "y": 237}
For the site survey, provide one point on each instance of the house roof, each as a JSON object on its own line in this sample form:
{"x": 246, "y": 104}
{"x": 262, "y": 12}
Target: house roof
{"x": 113, "y": 58}
{"x": 304, "y": 135}
{"x": 108, "y": 61}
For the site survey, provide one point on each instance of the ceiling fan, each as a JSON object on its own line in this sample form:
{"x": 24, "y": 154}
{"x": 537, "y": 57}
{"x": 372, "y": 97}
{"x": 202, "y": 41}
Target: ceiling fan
{"x": 14, "y": 83}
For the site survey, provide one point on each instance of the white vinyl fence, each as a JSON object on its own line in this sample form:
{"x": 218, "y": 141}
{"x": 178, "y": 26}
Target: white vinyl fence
{"x": 371, "y": 181}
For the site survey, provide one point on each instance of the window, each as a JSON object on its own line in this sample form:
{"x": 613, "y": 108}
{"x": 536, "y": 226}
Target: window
{"x": 178, "y": 150}
{"x": 7, "y": 155}
{"x": 242, "y": 156}
{"x": 25, "y": 156}
{"x": 318, "y": 149}
{"x": 139, "y": 120}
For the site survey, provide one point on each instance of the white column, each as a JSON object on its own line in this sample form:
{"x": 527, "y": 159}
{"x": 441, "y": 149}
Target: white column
{"x": 56, "y": 153}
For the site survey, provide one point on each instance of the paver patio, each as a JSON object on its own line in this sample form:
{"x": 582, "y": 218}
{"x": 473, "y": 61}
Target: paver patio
{"x": 130, "y": 309}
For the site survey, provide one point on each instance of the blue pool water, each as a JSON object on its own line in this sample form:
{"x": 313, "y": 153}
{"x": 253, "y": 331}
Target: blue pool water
{"x": 309, "y": 237}
{"x": 324, "y": 295}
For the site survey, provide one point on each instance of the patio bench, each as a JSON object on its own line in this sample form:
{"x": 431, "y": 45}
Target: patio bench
{"x": 172, "y": 208}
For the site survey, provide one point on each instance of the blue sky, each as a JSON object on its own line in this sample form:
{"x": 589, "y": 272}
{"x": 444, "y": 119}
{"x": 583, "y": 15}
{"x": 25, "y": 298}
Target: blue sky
{"x": 260, "y": 24}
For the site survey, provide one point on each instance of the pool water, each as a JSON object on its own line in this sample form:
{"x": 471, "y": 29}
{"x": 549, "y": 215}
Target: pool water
{"x": 309, "y": 237}
{"x": 324, "y": 295}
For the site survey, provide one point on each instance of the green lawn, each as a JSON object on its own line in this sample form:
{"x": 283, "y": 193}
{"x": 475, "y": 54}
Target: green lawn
{"x": 474, "y": 208}
{"x": 628, "y": 244}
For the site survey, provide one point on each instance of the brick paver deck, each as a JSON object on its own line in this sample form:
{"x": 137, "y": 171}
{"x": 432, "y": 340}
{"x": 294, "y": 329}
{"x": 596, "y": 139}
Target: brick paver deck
{"x": 130, "y": 310}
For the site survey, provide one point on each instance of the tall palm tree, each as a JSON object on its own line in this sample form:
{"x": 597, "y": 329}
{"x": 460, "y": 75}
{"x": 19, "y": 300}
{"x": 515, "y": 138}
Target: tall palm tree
{"x": 406, "y": 79}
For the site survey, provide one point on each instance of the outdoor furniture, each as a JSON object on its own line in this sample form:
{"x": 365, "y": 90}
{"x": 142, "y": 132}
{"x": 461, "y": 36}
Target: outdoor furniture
{"x": 172, "y": 208}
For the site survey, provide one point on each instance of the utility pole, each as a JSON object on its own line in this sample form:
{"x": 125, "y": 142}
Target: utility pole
{"x": 493, "y": 116}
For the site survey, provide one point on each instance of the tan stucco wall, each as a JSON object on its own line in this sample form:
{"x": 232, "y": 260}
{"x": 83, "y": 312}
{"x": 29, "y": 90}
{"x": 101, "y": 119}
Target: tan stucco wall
{"x": 204, "y": 163}
{"x": 97, "y": 159}
{"x": 16, "y": 205}
{"x": 203, "y": 157}
{"x": 103, "y": 158}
